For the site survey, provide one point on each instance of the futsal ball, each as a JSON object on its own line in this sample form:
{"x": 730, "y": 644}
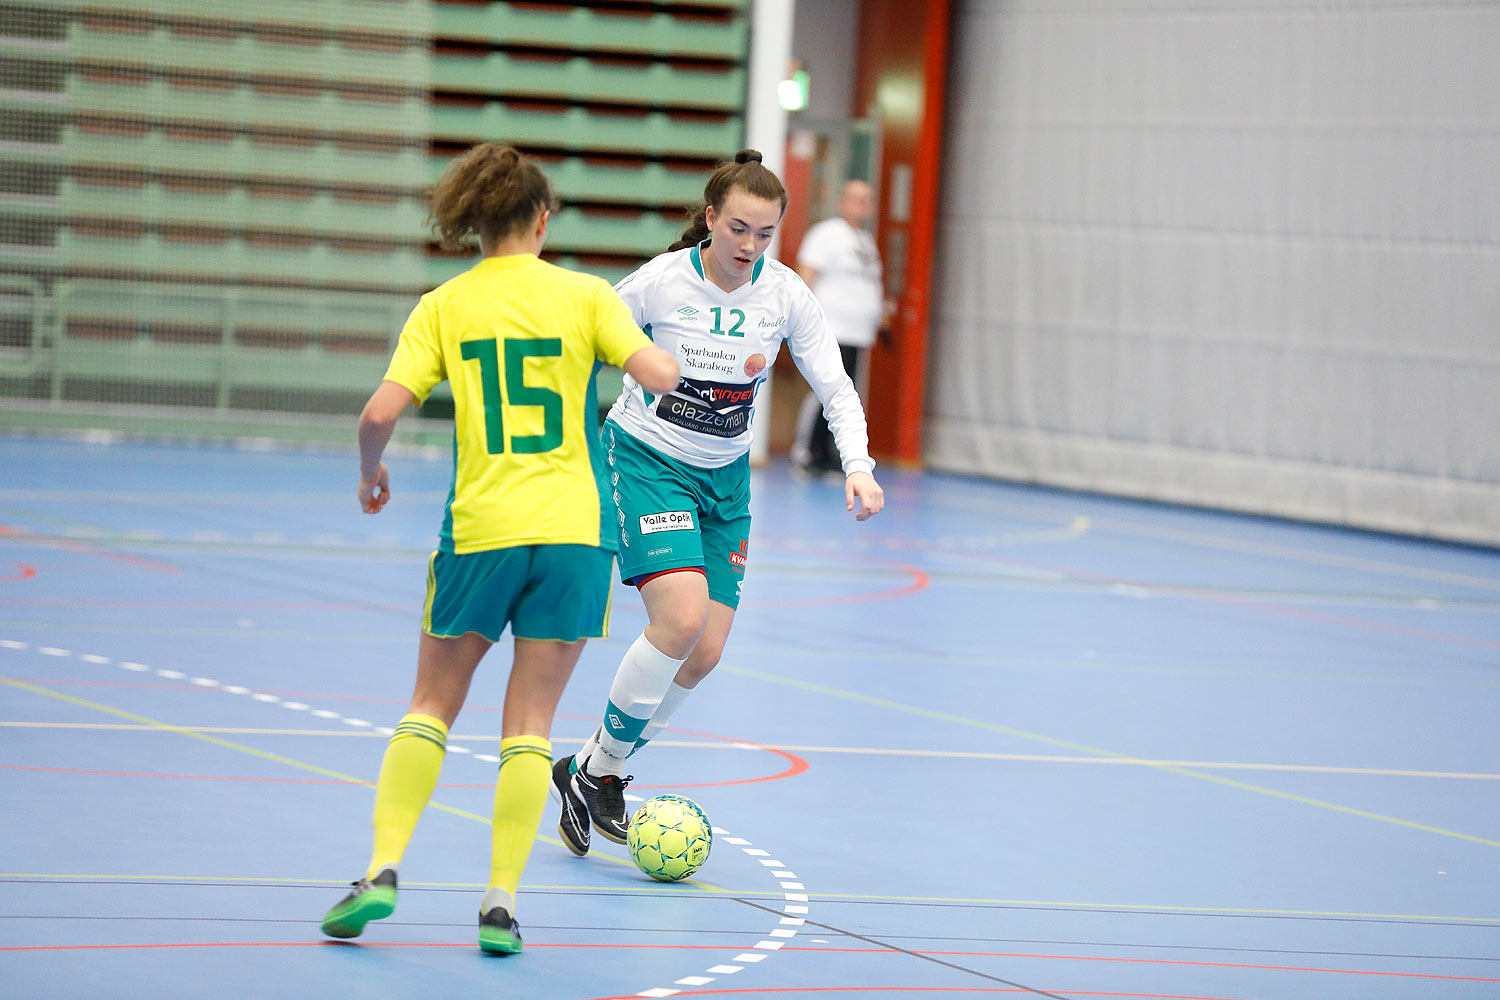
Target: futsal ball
{"x": 669, "y": 837}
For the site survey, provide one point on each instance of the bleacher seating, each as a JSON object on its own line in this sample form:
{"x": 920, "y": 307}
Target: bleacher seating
{"x": 220, "y": 206}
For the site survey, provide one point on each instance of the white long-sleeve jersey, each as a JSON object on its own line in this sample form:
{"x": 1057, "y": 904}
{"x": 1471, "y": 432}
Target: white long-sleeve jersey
{"x": 725, "y": 343}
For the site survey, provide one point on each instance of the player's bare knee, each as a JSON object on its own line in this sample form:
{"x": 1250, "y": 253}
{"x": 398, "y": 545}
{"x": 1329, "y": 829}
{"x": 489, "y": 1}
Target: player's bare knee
{"x": 677, "y": 631}
{"x": 698, "y": 666}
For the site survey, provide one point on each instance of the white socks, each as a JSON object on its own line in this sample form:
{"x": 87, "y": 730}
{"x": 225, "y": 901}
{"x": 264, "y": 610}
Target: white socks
{"x": 670, "y": 702}
{"x": 644, "y": 677}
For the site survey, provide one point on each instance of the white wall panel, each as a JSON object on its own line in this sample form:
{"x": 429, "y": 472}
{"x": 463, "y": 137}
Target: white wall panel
{"x": 1244, "y": 254}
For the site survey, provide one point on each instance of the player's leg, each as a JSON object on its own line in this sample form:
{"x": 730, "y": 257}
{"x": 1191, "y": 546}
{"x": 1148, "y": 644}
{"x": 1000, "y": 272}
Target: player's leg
{"x": 726, "y": 552}
{"x": 565, "y": 602}
{"x": 469, "y": 600}
{"x": 657, "y": 510}
{"x": 408, "y": 774}
{"x": 677, "y": 609}
{"x": 700, "y": 662}
{"x": 725, "y": 531}
{"x": 537, "y": 678}
{"x": 825, "y": 449}
{"x": 807, "y": 432}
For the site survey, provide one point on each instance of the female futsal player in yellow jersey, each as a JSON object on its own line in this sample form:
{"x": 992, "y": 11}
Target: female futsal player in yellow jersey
{"x": 525, "y": 540}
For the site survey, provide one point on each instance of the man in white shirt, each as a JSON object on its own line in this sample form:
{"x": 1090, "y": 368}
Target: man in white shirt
{"x": 840, "y": 263}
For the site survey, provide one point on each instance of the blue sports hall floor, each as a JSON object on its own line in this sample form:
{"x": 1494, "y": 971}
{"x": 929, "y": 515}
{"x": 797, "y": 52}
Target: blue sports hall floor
{"x": 999, "y": 740}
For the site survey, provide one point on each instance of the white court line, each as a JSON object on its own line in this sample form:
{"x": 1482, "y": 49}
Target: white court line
{"x": 776, "y": 937}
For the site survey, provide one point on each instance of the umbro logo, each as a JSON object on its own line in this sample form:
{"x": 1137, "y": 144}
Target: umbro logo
{"x": 687, "y": 311}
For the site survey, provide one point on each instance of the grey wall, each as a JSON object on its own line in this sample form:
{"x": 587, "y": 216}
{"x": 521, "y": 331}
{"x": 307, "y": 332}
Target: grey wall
{"x": 1240, "y": 254}
{"x": 825, "y": 38}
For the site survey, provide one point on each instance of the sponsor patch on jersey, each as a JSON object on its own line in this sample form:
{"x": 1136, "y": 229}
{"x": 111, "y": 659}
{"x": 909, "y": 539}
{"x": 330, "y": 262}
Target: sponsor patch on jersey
{"x": 718, "y": 408}
{"x": 755, "y": 364}
{"x": 667, "y": 520}
{"x": 692, "y": 415}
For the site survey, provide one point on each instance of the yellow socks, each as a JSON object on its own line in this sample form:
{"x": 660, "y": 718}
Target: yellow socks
{"x": 520, "y": 796}
{"x": 408, "y": 774}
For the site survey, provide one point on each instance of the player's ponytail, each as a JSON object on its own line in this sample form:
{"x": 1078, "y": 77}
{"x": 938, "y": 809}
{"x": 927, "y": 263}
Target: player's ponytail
{"x": 490, "y": 191}
{"x": 745, "y": 172}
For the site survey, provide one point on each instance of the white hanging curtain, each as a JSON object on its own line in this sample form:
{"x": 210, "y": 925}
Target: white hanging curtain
{"x": 1231, "y": 254}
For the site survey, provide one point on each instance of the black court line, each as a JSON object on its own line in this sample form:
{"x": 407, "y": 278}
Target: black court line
{"x": 1196, "y": 914}
{"x": 911, "y": 954}
{"x": 750, "y": 897}
{"x": 937, "y": 938}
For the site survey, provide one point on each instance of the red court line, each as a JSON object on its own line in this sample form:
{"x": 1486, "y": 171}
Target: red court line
{"x": 927, "y": 989}
{"x": 816, "y": 951}
{"x": 24, "y": 572}
{"x": 920, "y": 581}
{"x": 795, "y": 764}
{"x": 67, "y": 545}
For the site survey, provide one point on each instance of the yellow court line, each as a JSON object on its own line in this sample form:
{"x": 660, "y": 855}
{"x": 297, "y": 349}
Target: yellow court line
{"x": 1022, "y": 758}
{"x": 141, "y": 727}
{"x": 708, "y": 890}
{"x": 1039, "y": 758}
{"x": 1167, "y": 768}
{"x": 701, "y": 888}
{"x": 252, "y": 751}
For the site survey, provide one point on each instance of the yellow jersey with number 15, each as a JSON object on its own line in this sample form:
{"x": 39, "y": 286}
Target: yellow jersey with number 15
{"x": 520, "y": 342}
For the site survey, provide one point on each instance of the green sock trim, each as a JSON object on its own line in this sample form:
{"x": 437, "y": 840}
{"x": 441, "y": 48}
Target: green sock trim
{"x": 422, "y": 730}
{"x": 509, "y": 753}
{"x": 625, "y": 728}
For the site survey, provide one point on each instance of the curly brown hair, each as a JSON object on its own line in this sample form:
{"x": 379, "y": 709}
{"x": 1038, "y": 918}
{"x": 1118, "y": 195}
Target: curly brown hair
{"x": 490, "y": 191}
{"x": 745, "y": 172}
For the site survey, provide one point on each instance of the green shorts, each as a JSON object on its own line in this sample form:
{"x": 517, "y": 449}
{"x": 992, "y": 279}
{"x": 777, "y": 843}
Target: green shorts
{"x": 542, "y": 591}
{"x": 672, "y": 515}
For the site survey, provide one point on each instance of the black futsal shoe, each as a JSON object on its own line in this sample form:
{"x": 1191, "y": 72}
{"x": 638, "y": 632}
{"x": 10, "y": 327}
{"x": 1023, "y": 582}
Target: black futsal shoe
{"x": 499, "y": 934}
{"x": 605, "y": 799}
{"x": 573, "y": 823}
{"x": 371, "y": 899}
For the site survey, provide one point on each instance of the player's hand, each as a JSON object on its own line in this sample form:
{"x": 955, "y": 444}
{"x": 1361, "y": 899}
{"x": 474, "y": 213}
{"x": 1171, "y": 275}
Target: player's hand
{"x": 375, "y": 491}
{"x": 861, "y": 487}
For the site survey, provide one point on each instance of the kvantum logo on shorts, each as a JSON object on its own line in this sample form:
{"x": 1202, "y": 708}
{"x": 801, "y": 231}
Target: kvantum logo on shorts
{"x": 667, "y": 520}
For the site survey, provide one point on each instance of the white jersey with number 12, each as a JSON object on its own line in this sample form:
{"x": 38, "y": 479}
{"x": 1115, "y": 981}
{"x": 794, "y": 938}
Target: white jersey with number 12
{"x": 725, "y": 343}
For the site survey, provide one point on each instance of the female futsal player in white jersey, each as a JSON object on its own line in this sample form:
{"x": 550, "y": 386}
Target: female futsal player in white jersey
{"x": 680, "y": 469}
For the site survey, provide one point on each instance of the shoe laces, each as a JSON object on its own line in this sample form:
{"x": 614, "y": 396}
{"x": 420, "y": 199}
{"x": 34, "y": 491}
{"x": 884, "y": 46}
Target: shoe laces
{"x": 612, "y": 790}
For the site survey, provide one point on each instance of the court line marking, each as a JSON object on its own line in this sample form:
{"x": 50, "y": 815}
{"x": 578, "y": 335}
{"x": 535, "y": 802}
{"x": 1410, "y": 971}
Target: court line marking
{"x": 1098, "y": 752}
{"x": 1124, "y": 526}
{"x": 1235, "y": 598}
{"x": 144, "y": 722}
{"x": 765, "y": 944}
{"x": 455, "y": 743}
{"x": 79, "y": 548}
{"x": 1022, "y": 758}
{"x": 703, "y": 890}
{"x": 883, "y": 950}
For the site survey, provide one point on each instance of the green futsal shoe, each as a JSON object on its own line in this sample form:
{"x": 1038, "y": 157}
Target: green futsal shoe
{"x": 371, "y": 899}
{"x": 499, "y": 934}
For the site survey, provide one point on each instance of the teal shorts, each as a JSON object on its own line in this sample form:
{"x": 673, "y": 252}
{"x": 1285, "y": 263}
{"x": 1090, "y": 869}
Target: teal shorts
{"x": 672, "y": 515}
{"x": 556, "y": 592}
